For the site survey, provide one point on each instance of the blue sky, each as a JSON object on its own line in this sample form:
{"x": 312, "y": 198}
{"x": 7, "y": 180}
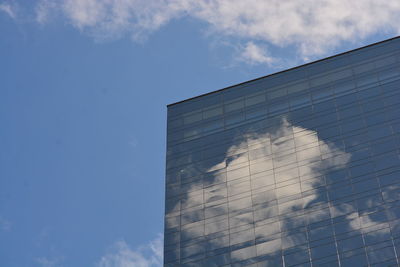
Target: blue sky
{"x": 83, "y": 93}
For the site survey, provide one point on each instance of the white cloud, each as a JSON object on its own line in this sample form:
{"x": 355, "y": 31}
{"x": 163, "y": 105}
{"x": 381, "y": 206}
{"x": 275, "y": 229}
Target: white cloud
{"x": 314, "y": 27}
{"x": 254, "y": 54}
{"x": 122, "y": 255}
{"x": 8, "y": 9}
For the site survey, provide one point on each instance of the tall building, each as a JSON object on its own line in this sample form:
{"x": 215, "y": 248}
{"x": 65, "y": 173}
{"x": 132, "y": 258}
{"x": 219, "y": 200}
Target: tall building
{"x": 298, "y": 168}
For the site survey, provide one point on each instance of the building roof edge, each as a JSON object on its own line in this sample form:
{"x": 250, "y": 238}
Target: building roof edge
{"x": 283, "y": 71}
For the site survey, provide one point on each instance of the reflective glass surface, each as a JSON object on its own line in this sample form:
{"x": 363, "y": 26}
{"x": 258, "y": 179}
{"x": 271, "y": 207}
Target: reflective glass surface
{"x": 300, "y": 168}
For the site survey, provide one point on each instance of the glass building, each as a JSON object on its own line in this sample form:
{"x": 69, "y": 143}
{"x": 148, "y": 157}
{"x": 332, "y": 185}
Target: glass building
{"x": 298, "y": 168}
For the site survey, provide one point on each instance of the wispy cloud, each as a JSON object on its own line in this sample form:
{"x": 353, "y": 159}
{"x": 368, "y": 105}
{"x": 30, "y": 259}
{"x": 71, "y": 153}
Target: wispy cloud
{"x": 254, "y": 54}
{"x": 48, "y": 262}
{"x": 45, "y": 10}
{"x": 9, "y": 9}
{"x": 5, "y": 225}
{"x": 313, "y": 26}
{"x": 122, "y": 255}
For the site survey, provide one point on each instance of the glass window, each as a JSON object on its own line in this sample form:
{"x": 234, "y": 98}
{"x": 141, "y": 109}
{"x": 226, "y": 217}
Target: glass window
{"x": 344, "y": 87}
{"x": 387, "y": 145}
{"x": 354, "y": 260}
{"x": 362, "y": 169}
{"x": 369, "y": 92}
{"x": 317, "y": 81}
{"x": 240, "y": 188}
{"x": 293, "y": 240}
{"x": 234, "y": 106}
{"x": 389, "y": 179}
{"x": 341, "y": 74}
{"x": 262, "y": 179}
{"x": 253, "y": 100}
{"x": 171, "y": 256}
{"x": 192, "y": 216}
{"x": 192, "y": 232}
{"x": 244, "y": 220}
{"x": 389, "y": 73}
{"x": 269, "y": 247}
{"x": 291, "y": 174}
{"x": 318, "y": 216}
{"x": 322, "y": 93}
{"x": 267, "y": 231}
{"x": 326, "y": 107}
{"x": 328, "y": 132}
{"x": 285, "y": 160}
{"x": 212, "y": 112}
{"x": 376, "y": 104}
{"x": 381, "y": 255}
{"x": 213, "y": 125}
{"x": 277, "y": 93}
{"x": 301, "y": 86}
{"x": 233, "y": 119}
{"x": 300, "y": 114}
{"x": 240, "y": 204}
{"x": 353, "y": 110}
{"x": 242, "y": 236}
{"x": 261, "y": 166}
{"x": 386, "y": 161}
{"x": 379, "y": 131}
{"x": 266, "y": 213}
{"x": 216, "y": 210}
{"x": 380, "y": 235}
{"x": 238, "y": 173}
{"x": 278, "y": 107}
{"x": 349, "y": 126}
{"x": 323, "y": 251}
{"x": 320, "y": 233}
{"x": 218, "y": 243}
{"x": 215, "y": 193}
{"x": 192, "y": 117}
{"x": 367, "y": 66}
{"x": 347, "y": 99}
{"x": 392, "y": 87}
{"x": 350, "y": 243}
{"x": 192, "y": 250}
{"x": 258, "y": 112}
{"x": 381, "y": 62}
{"x": 243, "y": 254}
{"x": 368, "y": 79}
{"x": 300, "y": 101}
{"x": 301, "y": 256}
{"x": 217, "y": 226}
{"x": 218, "y": 260}
{"x": 260, "y": 152}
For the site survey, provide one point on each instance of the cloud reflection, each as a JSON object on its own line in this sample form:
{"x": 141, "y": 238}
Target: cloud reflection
{"x": 272, "y": 191}
{"x": 266, "y": 185}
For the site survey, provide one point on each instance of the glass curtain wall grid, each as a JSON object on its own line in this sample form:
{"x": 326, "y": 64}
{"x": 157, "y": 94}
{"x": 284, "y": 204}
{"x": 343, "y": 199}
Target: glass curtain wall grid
{"x": 299, "y": 168}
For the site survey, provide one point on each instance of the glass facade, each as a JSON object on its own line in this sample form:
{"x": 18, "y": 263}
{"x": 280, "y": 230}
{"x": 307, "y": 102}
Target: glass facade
{"x": 299, "y": 168}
